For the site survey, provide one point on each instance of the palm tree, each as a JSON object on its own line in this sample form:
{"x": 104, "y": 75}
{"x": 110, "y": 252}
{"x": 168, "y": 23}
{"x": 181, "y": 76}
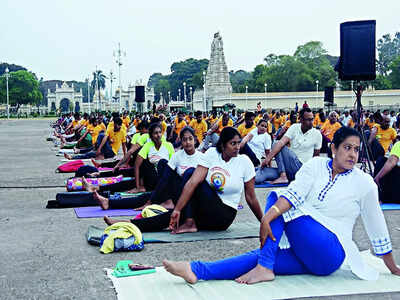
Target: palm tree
{"x": 101, "y": 81}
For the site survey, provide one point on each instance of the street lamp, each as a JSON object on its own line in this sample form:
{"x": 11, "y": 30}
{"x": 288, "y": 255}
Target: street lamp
{"x": 179, "y": 94}
{"x": 316, "y": 104}
{"x": 191, "y": 97}
{"x": 7, "y": 75}
{"x": 118, "y": 55}
{"x": 169, "y": 96}
{"x": 265, "y": 91}
{"x": 161, "y": 99}
{"x": 204, "y": 92}
{"x": 184, "y": 93}
{"x": 247, "y": 89}
{"x": 88, "y": 92}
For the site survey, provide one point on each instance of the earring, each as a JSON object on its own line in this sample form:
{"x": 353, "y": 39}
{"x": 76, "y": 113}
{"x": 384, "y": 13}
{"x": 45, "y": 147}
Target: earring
{"x": 333, "y": 155}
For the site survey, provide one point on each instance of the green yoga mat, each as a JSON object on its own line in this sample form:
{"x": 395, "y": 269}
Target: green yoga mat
{"x": 237, "y": 230}
{"x": 162, "y": 285}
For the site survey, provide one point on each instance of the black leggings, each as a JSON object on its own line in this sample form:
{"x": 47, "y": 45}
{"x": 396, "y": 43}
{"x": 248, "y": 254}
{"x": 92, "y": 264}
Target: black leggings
{"x": 247, "y": 150}
{"x": 388, "y": 192}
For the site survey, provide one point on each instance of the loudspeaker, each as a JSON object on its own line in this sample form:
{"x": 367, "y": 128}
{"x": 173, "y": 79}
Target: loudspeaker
{"x": 357, "y": 51}
{"x": 139, "y": 93}
{"x": 328, "y": 95}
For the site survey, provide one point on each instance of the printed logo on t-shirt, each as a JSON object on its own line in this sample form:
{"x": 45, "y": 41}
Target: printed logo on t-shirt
{"x": 218, "y": 182}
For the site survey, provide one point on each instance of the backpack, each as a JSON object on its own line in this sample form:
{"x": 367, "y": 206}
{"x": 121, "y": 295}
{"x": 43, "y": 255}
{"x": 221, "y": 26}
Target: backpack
{"x": 70, "y": 167}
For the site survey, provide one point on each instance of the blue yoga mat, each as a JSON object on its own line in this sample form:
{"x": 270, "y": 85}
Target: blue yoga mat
{"x": 390, "y": 206}
{"x": 268, "y": 185}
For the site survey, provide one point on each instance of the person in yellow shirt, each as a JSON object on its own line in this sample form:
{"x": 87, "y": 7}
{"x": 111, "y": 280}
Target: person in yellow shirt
{"x": 292, "y": 120}
{"x": 112, "y": 140}
{"x": 179, "y": 123}
{"x": 269, "y": 126}
{"x": 189, "y": 118}
{"x": 126, "y": 120}
{"x": 199, "y": 126}
{"x": 328, "y": 130}
{"x": 277, "y": 120}
{"x": 163, "y": 124}
{"x": 212, "y": 119}
{"x": 258, "y": 117}
{"x": 213, "y": 133}
{"x": 248, "y": 124}
{"x": 385, "y": 134}
{"x": 137, "y": 120}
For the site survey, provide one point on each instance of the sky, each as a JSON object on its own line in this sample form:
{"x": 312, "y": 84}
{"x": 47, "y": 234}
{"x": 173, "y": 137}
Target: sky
{"x": 68, "y": 39}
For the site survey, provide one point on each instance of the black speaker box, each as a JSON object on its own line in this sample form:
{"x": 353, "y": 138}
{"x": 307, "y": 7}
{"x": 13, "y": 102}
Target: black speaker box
{"x": 139, "y": 93}
{"x": 329, "y": 94}
{"x": 357, "y": 51}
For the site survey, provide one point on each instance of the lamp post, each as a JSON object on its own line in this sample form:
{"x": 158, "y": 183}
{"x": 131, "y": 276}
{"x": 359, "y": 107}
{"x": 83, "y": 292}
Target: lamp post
{"x": 316, "y": 101}
{"x": 161, "y": 99}
{"x": 265, "y": 91}
{"x": 88, "y": 92}
{"x": 169, "y": 96}
{"x": 7, "y": 75}
{"x": 184, "y": 93}
{"x": 204, "y": 92}
{"x": 191, "y": 97}
{"x": 118, "y": 59}
{"x": 247, "y": 89}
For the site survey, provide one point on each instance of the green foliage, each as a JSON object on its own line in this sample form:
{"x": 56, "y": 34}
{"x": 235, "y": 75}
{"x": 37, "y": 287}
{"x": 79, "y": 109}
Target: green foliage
{"x": 239, "y": 79}
{"x": 388, "y": 51}
{"x": 23, "y": 88}
{"x": 394, "y": 75}
{"x": 189, "y": 71}
{"x": 11, "y": 68}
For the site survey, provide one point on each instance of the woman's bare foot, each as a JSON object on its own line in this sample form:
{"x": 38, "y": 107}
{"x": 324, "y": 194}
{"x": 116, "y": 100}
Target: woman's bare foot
{"x": 258, "y": 274}
{"x": 137, "y": 190}
{"x": 87, "y": 186}
{"x": 280, "y": 179}
{"x": 181, "y": 269}
{"x": 143, "y": 206}
{"x": 103, "y": 201}
{"x": 188, "y": 226}
{"x": 67, "y": 156}
{"x": 168, "y": 204}
{"x": 110, "y": 221}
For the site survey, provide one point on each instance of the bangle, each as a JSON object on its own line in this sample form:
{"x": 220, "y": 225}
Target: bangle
{"x": 276, "y": 209}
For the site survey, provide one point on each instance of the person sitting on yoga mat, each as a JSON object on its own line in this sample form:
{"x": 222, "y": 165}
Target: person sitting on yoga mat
{"x": 149, "y": 156}
{"x": 169, "y": 186}
{"x": 257, "y": 143}
{"x": 387, "y": 176}
{"x": 305, "y": 142}
{"x": 212, "y": 192}
{"x": 317, "y": 213}
{"x": 112, "y": 140}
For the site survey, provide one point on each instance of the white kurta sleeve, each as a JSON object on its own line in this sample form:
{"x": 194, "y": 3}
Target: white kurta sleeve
{"x": 374, "y": 221}
{"x": 297, "y": 191}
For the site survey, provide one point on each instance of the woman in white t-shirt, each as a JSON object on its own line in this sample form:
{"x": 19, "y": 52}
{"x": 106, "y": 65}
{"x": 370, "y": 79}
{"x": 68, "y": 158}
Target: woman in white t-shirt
{"x": 212, "y": 191}
{"x": 257, "y": 143}
{"x": 168, "y": 187}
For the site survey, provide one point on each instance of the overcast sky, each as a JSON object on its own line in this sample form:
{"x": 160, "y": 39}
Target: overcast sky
{"x": 66, "y": 40}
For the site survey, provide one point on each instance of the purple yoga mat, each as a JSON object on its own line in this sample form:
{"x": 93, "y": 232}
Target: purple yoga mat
{"x": 98, "y": 212}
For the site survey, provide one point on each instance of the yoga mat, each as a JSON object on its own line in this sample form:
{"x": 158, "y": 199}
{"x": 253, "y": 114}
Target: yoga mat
{"x": 98, "y": 212}
{"x": 390, "y": 206}
{"x": 268, "y": 185}
{"x": 283, "y": 287}
{"x": 235, "y": 231}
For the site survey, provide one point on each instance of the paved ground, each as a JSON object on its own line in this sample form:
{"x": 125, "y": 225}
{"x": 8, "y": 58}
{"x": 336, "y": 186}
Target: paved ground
{"x": 44, "y": 254}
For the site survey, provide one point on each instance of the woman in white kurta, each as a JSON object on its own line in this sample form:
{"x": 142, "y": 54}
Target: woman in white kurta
{"x": 317, "y": 214}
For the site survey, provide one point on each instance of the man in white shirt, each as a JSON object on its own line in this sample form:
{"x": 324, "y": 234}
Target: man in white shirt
{"x": 305, "y": 143}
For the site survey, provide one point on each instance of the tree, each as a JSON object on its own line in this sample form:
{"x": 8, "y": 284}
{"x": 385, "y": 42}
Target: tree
{"x": 23, "y": 88}
{"x": 239, "y": 79}
{"x": 162, "y": 87}
{"x": 388, "y": 51}
{"x": 394, "y": 75}
{"x": 99, "y": 81}
{"x": 11, "y": 68}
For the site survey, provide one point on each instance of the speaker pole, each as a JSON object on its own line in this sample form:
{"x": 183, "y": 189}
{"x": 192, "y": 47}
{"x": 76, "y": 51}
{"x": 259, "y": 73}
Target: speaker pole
{"x": 366, "y": 149}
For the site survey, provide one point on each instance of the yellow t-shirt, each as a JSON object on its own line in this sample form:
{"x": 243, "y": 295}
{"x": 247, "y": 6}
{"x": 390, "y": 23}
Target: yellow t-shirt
{"x": 329, "y": 129}
{"x": 136, "y": 122}
{"x": 287, "y": 124}
{"x": 111, "y": 125}
{"x": 199, "y": 128}
{"x": 96, "y": 130}
{"x": 317, "y": 121}
{"x": 369, "y": 123}
{"x": 243, "y": 130}
{"x": 126, "y": 121}
{"x": 396, "y": 150}
{"x": 76, "y": 123}
{"x": 278, "y": 122}
{"x": 257, "y": 118}
{"x": 385, "y": 137}
{"x": 220, "y": 126}
{"x": 116, "y": 138}
{"x": 163, "y": 127}
{"x": 179, "y": 126}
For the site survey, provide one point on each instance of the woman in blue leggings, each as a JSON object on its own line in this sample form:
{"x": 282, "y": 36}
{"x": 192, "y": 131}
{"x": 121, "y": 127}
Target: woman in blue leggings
{"x": 316, "y": 214}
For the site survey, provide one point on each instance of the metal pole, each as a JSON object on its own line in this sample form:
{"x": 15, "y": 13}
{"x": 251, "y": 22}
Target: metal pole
{"x": 265, "y": 91}
{"x": 191, "y": 98}
{"x": 8, "y": 100}
{"x": 204, "y": 92}
{"x": 88, "y": 92}
{"x": 184, "y": 93}
{"x": 316, "y": 101}
{"x": 97, "y": 88}
{"x": 246, "y": 96}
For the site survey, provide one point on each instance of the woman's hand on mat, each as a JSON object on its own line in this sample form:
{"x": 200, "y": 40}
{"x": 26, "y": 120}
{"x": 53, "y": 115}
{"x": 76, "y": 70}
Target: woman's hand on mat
{"x": 265, "y": 231}
{"x": 174, "y": 220}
